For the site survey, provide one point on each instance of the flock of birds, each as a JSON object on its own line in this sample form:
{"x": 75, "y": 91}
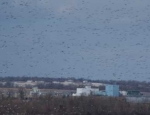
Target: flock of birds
{"x": 91, "y": 39}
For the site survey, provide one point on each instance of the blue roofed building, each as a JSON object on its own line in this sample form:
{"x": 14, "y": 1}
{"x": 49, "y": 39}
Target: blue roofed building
{"x": 112, "y": 90}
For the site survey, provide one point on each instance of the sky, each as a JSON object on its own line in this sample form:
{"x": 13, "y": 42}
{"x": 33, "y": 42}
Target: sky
{"x": 92, "y": 39}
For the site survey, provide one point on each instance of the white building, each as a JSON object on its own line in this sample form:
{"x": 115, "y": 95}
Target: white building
{"x": 86, "y": 91}
{"x": 35, "y": 91}
{"x": 123, "y": 93}
{"x": 65, "y": 83}
{"x": 24, "y": 84}
{"x": 56, "y": 82}
{"x": 97, "y": 84}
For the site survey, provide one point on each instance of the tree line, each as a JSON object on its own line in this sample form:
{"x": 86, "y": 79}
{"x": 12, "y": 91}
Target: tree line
{"x": 49, "y": 105}
{"x": 124, "y": 85}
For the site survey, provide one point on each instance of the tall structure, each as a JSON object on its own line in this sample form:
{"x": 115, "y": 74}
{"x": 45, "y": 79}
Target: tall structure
{"x": 112, "y": 90}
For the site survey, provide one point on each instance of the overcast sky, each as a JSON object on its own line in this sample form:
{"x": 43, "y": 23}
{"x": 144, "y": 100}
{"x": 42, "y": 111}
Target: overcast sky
{"x": 95, "y": 39}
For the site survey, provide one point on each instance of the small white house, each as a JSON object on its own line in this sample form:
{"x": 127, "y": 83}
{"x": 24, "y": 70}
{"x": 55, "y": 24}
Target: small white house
{"x": 86, "y": 91}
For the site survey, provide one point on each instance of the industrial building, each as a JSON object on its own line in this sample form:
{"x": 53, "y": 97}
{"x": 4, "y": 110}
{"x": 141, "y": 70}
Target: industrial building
{"x": 86, "y": 91}
{"x": 110, "y": 90}
{"x": 133, "y": 93}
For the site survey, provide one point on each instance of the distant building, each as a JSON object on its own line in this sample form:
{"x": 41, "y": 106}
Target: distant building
{"x": 24, "y": 84}
{"x": 100, "y": 93}
{"x": 69, "y": 82}
{"x": 39, "y": 82}
{"x": 133, "y": 93}
{"x": 86, "y": 91}
{"x": 123, "y": 93}
{"x": 65, "y": 83}
{"x": 85, "y": 81}
{"x": 97, "y": 84}
{"x": 112, "y": 90}
{"x": 35, "y": 91}
{"x": 3, "y": 83}
{"x": 56, "y": 82}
